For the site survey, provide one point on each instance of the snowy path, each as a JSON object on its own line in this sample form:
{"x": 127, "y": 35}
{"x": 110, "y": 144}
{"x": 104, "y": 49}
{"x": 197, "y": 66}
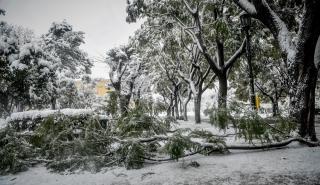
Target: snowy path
{"x": 294, "y": 165}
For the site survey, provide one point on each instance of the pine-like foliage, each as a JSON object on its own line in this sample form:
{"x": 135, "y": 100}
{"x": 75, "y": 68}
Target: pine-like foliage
{"x": 250, "y": 126}
{"x": 177, "y": 145}
{"x": 16, "y": 153}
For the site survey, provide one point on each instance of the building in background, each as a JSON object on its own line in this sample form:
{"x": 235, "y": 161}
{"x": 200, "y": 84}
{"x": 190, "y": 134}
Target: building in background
{"x": 100, "y": 87}
{"x": 103, "y": 87}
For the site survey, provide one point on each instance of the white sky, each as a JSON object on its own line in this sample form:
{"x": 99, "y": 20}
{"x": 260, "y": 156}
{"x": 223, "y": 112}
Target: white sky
{"x": 103, "y": 22}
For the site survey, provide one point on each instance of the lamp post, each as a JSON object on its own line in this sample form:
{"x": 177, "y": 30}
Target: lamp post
{"x": 246, "y": 23}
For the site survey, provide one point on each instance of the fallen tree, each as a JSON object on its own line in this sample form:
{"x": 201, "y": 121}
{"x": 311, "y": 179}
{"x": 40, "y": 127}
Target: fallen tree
{"x": 71, "y": 144}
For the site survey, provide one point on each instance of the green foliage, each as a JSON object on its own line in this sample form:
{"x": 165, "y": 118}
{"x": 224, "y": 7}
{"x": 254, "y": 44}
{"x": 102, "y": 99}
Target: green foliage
{"x": 15, "y": 152}
{"x": 70, "y": 144}
{"x": 252, "y": 126}
{"x": 132, "y": 153}
{"x": 137, "y": 123}
{"x": 218, "y": 144}
{"x": 221, "y": 118}
{"x": 177, "y": 145}
{"x": 112, "y": 107}
{"x": 159, "y": 107}
{"x": 286, "y": 125}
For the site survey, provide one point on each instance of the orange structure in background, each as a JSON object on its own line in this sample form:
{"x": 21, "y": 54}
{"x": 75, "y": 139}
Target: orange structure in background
{"x": 103, "y": 87}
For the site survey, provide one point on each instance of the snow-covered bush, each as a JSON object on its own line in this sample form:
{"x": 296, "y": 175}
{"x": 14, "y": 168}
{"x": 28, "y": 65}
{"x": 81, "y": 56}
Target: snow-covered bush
{"x": 15, "y": 152}
{"x": 250, "y": 126}
{"x": 132, "y": 154}
{"x": 138, "y": 123}
{"x": 177, "y": 145}
{"x": 68, "y": 141}
{"x": 112, "y": 107}
{"x": 30, "y": 120}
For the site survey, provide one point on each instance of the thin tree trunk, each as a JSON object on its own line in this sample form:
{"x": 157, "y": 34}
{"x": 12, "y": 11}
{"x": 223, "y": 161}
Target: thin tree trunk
{"x": 185, "y": 108}
{"x": 181, "y": 108}
{"x": 197, "y": 108}
{"x": 53, "y": 103}
{"x": 223, "y": 90}
{"x": 275, "y": 106}
{"x": 176, "y": 106}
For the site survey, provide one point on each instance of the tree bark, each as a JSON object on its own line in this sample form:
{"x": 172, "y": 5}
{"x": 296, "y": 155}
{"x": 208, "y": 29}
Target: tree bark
{"x": 185, "y": 108}
{"x": 275, "y": 107}
{"x": 299, "y": 56}
{"x": 306, "y": 114}
{"x": 176, "y": 104}
{"x": 223, "y": 90}
{"x": 124, "y": 104}
{"x": 197, "y": 108}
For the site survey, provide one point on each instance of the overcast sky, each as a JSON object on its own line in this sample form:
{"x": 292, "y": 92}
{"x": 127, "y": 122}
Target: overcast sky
{"x": 103, "y": 22}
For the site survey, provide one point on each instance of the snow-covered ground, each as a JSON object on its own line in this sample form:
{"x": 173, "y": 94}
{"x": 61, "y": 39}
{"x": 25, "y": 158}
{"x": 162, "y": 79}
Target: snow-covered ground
{"x": 295, "y": 164}
{"x": 292, "y": 165}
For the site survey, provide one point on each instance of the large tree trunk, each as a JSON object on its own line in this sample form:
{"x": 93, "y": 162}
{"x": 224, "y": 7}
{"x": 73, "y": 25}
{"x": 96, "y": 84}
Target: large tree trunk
{"x": 197, "y": 108}
{"x": 299, "y": 56}
{"x": 306, "y": 112}
{"x": 223, "y": 90}
{"x": 305, "y": 78}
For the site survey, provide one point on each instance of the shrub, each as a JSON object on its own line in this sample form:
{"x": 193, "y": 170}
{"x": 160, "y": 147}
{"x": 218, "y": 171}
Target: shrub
{"x": 221, "y": 118}
{"x": 177, "y": 145}
{"x": 15, "y": 153}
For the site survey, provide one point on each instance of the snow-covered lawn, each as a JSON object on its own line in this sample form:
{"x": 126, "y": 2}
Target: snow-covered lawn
{"x": 295, "y": 164}
{"x": 292, "y": 165}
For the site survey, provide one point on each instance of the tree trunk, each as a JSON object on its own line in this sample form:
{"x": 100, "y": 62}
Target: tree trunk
{"x": 176, "y": 105}
{"x": 4, "y": 101}
{"x": 181, "y": 108}
{"x": 275, "y": 108}
{"x": 223, "y": 90}
{"x": 306, "y": 114}
{"x": 53, "y": 103}
{"x": 185, "y": 108}
{"x": 305, "y": 78}
{"x": 124, "y": 104}
{"x": 299, "y": 57}
{"x": 197, "y": 108}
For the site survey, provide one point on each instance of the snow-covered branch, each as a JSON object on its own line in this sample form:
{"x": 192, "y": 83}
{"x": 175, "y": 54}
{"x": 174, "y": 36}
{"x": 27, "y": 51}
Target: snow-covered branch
{"x": 236, "y": 55}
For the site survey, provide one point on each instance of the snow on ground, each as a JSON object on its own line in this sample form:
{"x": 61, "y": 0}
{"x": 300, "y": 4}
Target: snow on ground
{"x": 295, "y": 164}
{"x": 205, "y": 125}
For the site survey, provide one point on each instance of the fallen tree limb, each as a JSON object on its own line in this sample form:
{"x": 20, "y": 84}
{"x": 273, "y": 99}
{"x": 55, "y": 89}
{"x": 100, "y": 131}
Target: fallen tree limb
{"x": 171, "y": 159}
{"x": 273, "y": 145}
{"x": 215, "y": 148}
